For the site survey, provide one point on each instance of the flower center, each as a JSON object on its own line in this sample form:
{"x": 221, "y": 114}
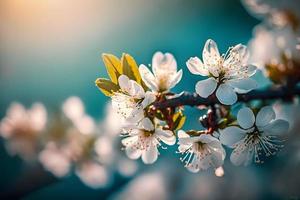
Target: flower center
{"x": 200, "y": 146}
{"x": 147, "y": 133}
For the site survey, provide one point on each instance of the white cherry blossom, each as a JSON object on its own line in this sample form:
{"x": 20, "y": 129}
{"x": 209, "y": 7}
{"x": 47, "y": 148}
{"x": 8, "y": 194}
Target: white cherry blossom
{"x": 54, "y": 160}
{"x": 200, "y": 152}
{"x": 146, "y": 186}
{"x": 165, "y": 75}
{"x": 257, "y": 135}
{"x": 275, "y": 13}
{"x": 73, "y": 108}
{"x": 144, "y": 139}
{"x": 268, "y": 45}
{"x": 131, "y": 100}
{"x": 22, "y": 128}
{"x": 93, "y": 174}
{"x": 228, "y": 73}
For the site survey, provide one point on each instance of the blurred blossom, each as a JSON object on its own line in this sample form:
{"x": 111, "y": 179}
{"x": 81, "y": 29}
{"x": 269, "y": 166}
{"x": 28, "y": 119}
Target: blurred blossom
{"x": 85, "y": 124}
{"x": 104, "y": 148}
{"x": 268, "y": 45}
{"x": 127, "y": 167}
{"x": 54, "y": 160}
{"x": 22, "y": 129}
{"x": 108, "y": 144}
{"x": 273, "y": 46}
{"x": 276, "y": 12}
{"x": 113, "y": 122}
{"x": 242, "y": 183}
{"x": 149, "y": 186}
{"x": 288, "y": 111}
{"x": 71, "y": 141}
{"x": 92, "y": 174}
{"x": 73, "y": 108}
{"x": 94, "y": 151}
{"x": 219, "y": 171}
{"x": 78, "y": 146}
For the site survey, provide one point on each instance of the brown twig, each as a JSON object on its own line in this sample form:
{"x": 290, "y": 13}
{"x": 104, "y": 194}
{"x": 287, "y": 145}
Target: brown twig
{"x": 192, "y": 99}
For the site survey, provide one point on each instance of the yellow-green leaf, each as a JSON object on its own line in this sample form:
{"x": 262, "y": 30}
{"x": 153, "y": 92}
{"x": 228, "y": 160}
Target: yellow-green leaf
{"x": 113, "y": 66}
{"x": 130, "y": 68}
{"x": 178, "y": 119}
{"x": 106, "y": 86}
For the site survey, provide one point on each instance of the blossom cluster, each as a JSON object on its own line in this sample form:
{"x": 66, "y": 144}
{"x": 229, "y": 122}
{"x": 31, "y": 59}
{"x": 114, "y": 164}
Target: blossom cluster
{"x": 67, "y": 141}
{"x": 136, "y": 90}
{"x": 274, "y": 44}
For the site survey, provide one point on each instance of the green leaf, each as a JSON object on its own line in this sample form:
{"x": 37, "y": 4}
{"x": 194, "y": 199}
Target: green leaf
{"x": 106, "y": 86}
{"x": 130, "y": 68}
{"x": 113, "y": 66}
{"x": 159, "y": 115}
{"x": 178, "y": 119}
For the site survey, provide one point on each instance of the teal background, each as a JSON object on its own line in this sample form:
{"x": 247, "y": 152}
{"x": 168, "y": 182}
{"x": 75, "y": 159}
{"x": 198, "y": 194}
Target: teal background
{"x": 50, "y": 72}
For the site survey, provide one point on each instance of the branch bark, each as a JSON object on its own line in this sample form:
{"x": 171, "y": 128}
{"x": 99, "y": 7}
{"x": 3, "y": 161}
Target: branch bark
{"x": 192, "y": 99}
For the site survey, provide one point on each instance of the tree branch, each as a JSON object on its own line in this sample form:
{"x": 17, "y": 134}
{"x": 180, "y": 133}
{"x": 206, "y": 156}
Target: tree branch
{"x": 192, "y": 99}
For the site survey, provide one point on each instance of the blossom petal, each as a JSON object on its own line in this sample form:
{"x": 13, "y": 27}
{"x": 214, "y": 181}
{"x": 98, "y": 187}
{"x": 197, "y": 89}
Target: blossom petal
{"x": 150, "y": 155}
{"x": 129, "y": 140}
{"x": 182, "y": 148}
{"x": 264, "y": 116}
{"x": 218, "y": 148}
{"x": 166, "y": 136}
{"x": 148, "y": 77}
{"x": 231, "y": 135}
{"x": 135, "y": 115}
{"x": 196, "y": 66}
{"x": 217, "y": 157}
{"x": 241, "y": 156}
{"x": 194, "y": 165}
{"x": 182, "y": 134}
{"x": 131, "y": 87}
{"x": 146, "y": 124}
{"x": 163, "y": 63}
{"x": 206, "y": 162}
{"x": 149, "y": 98}
{"x": 206, "y": 87}
{"x": 276, "y": 127}
{"x": 210, "y": 54}
{"x": 251, "y": 70}
{"x": 136, "y": 90}
{"x": 245, "y": 118}
{"x": 38, "y": 116}
{"x": 123, "y": 81}
{"x": 205, "y": 138}
{"x": 122, "y": 104}
{"x": 175, "y": 79}
{"x": 133, "y": 153}
{"x": 226, "y": 94}
{"x": 243, "y": 85}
